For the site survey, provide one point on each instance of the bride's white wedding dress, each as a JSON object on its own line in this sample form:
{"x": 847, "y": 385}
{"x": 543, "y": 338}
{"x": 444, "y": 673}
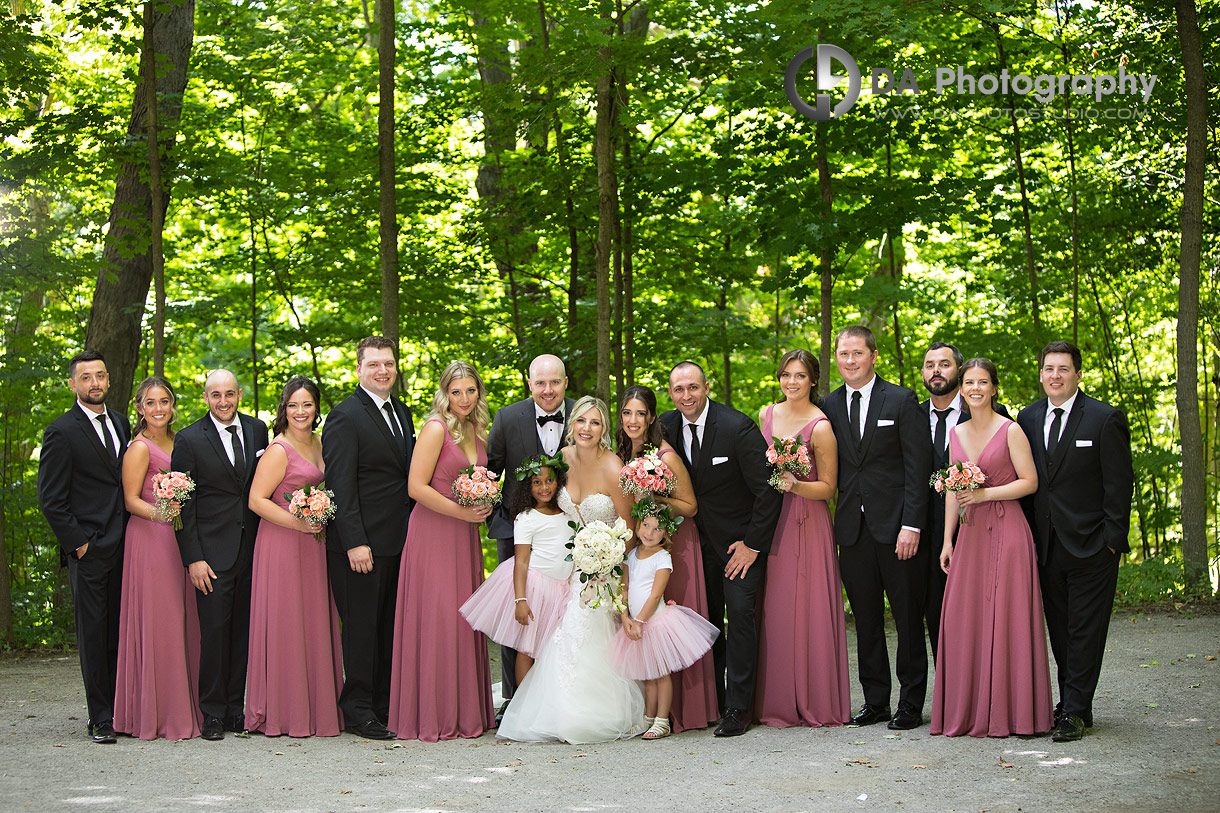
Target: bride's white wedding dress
{"x": 573, "y": 693}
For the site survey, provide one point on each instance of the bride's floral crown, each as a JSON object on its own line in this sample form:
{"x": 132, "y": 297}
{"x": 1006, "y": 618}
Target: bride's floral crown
{"x": 649, "y": 507}
{"x": 534, "y": 465}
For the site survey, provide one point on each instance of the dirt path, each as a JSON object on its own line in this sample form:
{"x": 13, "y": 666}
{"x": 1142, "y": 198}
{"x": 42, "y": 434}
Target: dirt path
{"x": 1156, "y": 746}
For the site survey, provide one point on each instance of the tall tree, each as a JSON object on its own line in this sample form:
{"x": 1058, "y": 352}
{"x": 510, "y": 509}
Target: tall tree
{"x": 387, "y": 210}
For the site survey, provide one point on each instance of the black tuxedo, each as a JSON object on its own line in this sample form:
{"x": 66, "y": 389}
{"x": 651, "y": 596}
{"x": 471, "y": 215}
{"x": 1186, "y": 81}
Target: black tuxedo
{"x": 735, "y": 503}
{"x": 883, "y": 486}
{"x": 80, "y": 491}
{"x": 513, "y": 439}
{"x": 934, "y": 531}
{"x": 366, "y": 468}
{"x": 219, "y": 528}
{"x": 1079, "y": 514}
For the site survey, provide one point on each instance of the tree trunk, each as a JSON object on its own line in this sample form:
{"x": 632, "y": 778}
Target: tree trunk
{"x": 825, "y": 259}
{"x": 1194, "y": 483}
{"x": 1067, "y": 105}
{"x": 607, "y": 215}
{"x": 156, "y": 193}
{"x": 127, "y": 266}
{"x": 387, "y": 211}
{"x": 726, "y": 351}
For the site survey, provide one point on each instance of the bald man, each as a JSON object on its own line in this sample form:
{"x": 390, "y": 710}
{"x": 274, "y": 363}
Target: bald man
{"x": 220, "y": 451}
{"x": 529, "y": 427}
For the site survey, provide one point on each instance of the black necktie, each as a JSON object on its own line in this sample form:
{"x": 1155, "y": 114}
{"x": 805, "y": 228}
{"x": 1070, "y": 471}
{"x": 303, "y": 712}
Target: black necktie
{"x": 389, "y": 414}
{"x": 543, "y": 420}
{"x": 853, "y": 416}
{"x": 1052, "y": 442}
{"x": 239, "y": 453}
{"x": 107, "y": 438}
{"x": 942, "y": 428}
{"x": 694, "y": 443}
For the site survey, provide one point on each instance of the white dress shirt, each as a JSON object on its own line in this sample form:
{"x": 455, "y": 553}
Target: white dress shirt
{"x": 97, "y": 427}
{"x": 1066, "y": 406}
{"x": 550, "y": 434}
{"x": 700, "y": 424}
{"x": 951, "y": 420}
{"x": 379, "y": 402}
{"x": 226, "y": 437}
{"x": 866, "y": 395}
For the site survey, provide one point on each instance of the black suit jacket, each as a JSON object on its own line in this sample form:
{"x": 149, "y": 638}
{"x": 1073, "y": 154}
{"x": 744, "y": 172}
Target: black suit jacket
{"x": 80, "y": 486}
{"x": 887, "y": 471}
{"x": 730, "y": 479}
{"x": 366, "y": 468}
{"x": 1084, "y": 491}
{"x": 513, "y": 438}
{"x": 217, "y": 517}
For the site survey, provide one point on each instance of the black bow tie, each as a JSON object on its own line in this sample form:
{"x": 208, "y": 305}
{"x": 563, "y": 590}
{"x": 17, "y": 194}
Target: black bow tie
{"x": 543, "y": 420}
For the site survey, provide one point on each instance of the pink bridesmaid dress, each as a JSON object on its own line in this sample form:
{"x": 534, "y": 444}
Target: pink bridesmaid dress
{"x": 802, "y": 648}
{"x": 157, "y": 690}
{"x": 992, "y": 671}
{"x": 440, "y": 679}
{"x": 694, "y": 702}
{"x": 295, "y": 672}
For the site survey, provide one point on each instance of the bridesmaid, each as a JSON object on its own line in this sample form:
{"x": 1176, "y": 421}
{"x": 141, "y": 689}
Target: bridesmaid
{"x": 992, "y": 671}
{"x": 294, "y": 675}
{"x": 440, "y": 681}
{"x": 157, "y": 693}
{"x": 802, "y": 652}
{"x": 694, "y": 688}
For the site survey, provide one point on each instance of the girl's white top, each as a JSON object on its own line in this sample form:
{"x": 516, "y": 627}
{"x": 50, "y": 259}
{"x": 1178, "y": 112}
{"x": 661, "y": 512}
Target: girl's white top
{"x": 643, "y": 572}
{"x": 547, "y": 537}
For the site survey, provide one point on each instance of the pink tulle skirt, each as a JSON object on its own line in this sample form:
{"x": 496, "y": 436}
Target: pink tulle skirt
{"x": 491, "y": 610}
{"x": 674, "y": 638}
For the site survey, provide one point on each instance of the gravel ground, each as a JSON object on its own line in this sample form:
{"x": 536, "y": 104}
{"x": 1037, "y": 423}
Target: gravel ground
{"x": 1156, "y": 747}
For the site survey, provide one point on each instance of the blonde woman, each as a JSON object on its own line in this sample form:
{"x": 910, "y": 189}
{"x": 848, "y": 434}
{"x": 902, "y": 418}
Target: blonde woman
{"x": 440, "y": 680}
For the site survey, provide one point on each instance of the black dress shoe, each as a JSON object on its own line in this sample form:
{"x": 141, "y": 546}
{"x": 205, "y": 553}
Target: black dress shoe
{"x": 1087, "y": 716}
{"x": 906, "y": 719}
{"x": 869, "y": 714}
{"x": 371, "y": 730}
{"x": 734, "y": 723}
{"x": 103, "y": 734}
{"x": 500, "y": 712}
{"x": 213, "y": 729}
{"x": 236, "y": 723}
{"x": 1069, "y": 728}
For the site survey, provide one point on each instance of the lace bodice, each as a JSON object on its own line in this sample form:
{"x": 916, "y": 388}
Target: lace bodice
{"x": 592, "y": 508}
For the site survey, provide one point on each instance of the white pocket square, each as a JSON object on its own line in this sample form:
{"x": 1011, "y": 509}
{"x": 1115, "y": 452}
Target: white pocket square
{"x": 259, "y": 453}
{"x": 1081, "y": 443}
{"x": 716, "y": 461}
{"x": 882, "y": 422}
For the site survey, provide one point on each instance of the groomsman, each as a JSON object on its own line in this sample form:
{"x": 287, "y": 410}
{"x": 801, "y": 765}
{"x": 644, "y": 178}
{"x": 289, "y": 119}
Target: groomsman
{"x": 738, "y": 510}
{"x": 220, "y": 452}
{"x": 884, "y": 465}
{"x": 80, "y": 491}
{"x": 1080, "y": 516}
{"x": 366, "y": 443}
{"x": 527, "y": 428}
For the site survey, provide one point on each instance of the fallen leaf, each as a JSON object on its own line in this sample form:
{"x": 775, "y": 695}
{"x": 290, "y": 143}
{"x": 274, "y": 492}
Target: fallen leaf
{"x": 1152, "y": 705}
{"x": 1004, "y": 764}
{"x": 1191, "y": 656}
{"x": 394, "y": 745}
{"x": 516, "y": 764}
{"x": 279, "y": 753}
{"x": 1210, "y": 657}
{"x": 919, "y": 767}
{"x": 729, "y": 783}
{"x": 893, "y": 736}
{"x": 345, "y": 791}
{"x": 578, "y": 756}
{"x": 61, "y": 745}
{"x": 859, "y": 761}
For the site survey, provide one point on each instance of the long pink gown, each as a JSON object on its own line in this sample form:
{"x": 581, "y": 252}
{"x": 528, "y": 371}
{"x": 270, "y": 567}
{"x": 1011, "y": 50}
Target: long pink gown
{"x": 157, "y": 691}
{"x": 992, "y": 672}
{"x": 694, "y": 701}
{"x": 802, "y": 648}
{"x": 295, "y": 671}
{"x": 440, "y": 680}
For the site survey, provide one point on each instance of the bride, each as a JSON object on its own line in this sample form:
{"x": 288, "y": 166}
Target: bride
{"x": 572, "y": 693}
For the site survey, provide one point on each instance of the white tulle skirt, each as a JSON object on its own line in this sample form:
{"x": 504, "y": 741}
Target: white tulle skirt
{"x": 674, "y": 638}
{"x": 573, "y": 693}
{"x": 492, "y": 609}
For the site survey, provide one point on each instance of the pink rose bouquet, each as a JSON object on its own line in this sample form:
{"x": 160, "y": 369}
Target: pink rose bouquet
{"x": 788, "y": 454}
{"x": 171, "y": 489}
{"x": 313, "y": 503}
{"x": 955, "y": 477}
{"x": 647, "y": 476}
{"x": 477, "y": 486}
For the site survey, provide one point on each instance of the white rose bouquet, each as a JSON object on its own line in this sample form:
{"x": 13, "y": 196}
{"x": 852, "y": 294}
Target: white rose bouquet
{"x": 598, "y": 553}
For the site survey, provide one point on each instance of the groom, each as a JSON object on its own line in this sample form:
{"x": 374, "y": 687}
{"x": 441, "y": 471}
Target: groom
{"x": 738, "y": 510}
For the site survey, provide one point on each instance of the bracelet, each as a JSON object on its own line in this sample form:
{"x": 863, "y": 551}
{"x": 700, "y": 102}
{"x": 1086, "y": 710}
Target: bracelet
{"x": 519, "y": 599}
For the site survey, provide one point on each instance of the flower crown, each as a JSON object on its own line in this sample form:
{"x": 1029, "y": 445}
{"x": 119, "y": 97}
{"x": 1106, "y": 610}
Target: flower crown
{"x": 535, "y": 465}
{"x": 666, "y": 521}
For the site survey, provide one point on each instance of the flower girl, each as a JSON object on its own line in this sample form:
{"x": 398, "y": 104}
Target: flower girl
{"x": 521, "y": 603}
{"x": 657, "y": 639}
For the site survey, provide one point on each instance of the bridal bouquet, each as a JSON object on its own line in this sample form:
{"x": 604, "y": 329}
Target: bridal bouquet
{"x": 598, "y": 553}
{"x": 313, "y": 503}
{"x": 646, "y": 475}
{"x": 171, "y": 489}
{"x": 477, "y": 486}
{"x": 788, "y": 454}
{"x": 958, "y": 476}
